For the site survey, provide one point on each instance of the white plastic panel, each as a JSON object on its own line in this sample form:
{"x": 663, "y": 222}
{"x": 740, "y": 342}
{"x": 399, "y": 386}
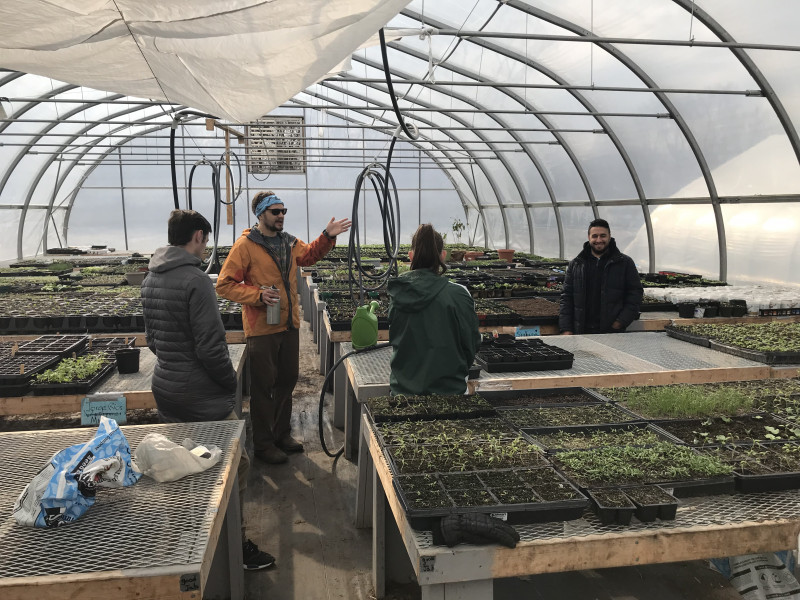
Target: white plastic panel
{"x": 575, "y": 220}
{"x": 685, "y": 238}
{"x": 545, "y": 232}
{"x": 763, "y": 242}
{"x": 627, "y": 222}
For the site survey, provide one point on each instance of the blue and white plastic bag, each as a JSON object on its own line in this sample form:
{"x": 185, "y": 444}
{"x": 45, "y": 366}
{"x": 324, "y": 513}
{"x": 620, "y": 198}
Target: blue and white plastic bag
{"x": 65, "y": 488}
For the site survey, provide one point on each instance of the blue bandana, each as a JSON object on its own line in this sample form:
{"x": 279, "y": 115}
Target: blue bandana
{"x": 266, "y": 203}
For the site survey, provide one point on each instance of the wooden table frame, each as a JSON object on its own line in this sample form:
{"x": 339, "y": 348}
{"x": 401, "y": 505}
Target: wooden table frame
{"x": 135, "y": 398}
{"x": 219, "y": 575}
{"x": 356, "y": 396}
{"x": 467, "y": 572}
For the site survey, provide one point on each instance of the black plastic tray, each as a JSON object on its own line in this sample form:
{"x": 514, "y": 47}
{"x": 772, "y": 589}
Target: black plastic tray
{"x": 769, "y": 358}
{"x": 534, "y": 512}
{"x": 532, "y": 432}
{"x": 646, "y": 513}
{"x": 538, "y": 320}
{"x": 63, "y": 345}
{"x": 657, "y": 307}
{"x": 634, "y": 418}
{"x": 469, "y": 412}
{"x": 775, "y": 481}
{"x": 34, "y": 363}
{"x": 497, "y": 396}
{"x": 555, "y": 358}
{"x": 77, "y": 387}
{"x": 685, "y": 336}
{"x": 611, "y": 515}
{"x": 665, "y": 423}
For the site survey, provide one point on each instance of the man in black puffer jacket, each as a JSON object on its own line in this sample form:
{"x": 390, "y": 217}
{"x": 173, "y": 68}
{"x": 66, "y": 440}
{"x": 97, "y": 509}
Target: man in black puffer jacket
{"x": 602, "y": 290}
{"x": 194, "y": 379}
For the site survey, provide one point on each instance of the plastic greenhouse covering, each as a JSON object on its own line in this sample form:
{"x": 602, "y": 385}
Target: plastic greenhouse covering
{"x": 675, "y": 120}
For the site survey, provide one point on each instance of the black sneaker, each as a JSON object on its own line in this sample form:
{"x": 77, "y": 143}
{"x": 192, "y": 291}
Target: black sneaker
{"x": 255, "y": 559}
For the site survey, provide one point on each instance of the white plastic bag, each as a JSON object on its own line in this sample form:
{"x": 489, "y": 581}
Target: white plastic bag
{"x": 163, "y": 460}
{"x": 65, "y": 487}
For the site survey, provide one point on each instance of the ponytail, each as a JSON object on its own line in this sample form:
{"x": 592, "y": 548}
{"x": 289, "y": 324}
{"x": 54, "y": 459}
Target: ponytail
{"x": 427, "y": 245}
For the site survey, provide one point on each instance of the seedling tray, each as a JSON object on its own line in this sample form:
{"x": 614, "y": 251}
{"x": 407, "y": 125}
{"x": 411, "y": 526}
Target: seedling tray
{"x": 770, "y": 480}
{"x": 523, "y": 355}
{"x": 769, "y": 358}
{"x": 383, "y": 409}
{"x": 73, "y": 387}
{"x": 538, "y": 320}
{"x": 535, "y": 433}
{"x": 685, "y": 336}
{"x": 657, "y": 307}
{"x": 63, "y": 345}
{"x": 540, "y": 397}
{"x": 12, "y": 383}
{"x": 646, "y": 512}
{"x": 608, "y": 514}
{"x": 524, "y": 419}
{"x": 683, "y": 429}
{"x": 485, "y": 485}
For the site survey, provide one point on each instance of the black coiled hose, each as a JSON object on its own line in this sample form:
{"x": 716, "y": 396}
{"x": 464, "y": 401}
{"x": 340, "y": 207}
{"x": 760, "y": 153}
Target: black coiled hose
{"x": 322, "y": 396}
{"x": 383, "y": 184}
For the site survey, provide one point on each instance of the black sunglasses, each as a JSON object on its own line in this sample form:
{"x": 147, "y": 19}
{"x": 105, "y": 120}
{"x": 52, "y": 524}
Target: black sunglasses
{"x": 278, "y": 211}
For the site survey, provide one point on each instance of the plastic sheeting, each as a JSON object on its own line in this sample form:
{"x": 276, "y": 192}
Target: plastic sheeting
{"x": 237, "y": 59}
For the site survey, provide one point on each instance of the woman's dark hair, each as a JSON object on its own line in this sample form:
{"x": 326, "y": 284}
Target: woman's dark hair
{"x": 427, "y": 245}
{"x": 183, "y": 223}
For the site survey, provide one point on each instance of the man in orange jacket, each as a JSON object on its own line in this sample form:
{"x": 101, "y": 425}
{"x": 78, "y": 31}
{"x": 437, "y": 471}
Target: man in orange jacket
{"x": 266, "y": 256}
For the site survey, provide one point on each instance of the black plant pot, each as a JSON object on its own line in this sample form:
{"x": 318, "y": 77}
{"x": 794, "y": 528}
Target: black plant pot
{"x": 127, "y": 360}
{"x": 686, "y": 310}
{"x": 710, "y": 312}
{"x": 725, "y": 311}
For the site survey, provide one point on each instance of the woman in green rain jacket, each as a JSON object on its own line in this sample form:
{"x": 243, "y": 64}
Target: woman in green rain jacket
{"x": 433, "y": 327}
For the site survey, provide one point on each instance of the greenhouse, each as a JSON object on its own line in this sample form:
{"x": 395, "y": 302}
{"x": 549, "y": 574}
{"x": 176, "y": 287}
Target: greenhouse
{"x": 419, "y": 228}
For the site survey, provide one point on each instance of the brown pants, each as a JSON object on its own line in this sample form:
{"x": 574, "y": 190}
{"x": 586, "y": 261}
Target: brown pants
{"x": 274, "y": 366}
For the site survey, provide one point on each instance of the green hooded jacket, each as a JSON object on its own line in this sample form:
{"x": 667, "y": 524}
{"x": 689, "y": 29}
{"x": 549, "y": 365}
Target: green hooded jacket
{"x": 434, "y": 334}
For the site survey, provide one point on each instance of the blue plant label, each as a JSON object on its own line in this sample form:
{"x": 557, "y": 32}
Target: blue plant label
{"x": 95, "y": 406}
{"x": 527, "y": 331}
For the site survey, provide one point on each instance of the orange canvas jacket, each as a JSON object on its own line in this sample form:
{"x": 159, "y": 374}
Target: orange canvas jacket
{"x": 249, "y": 266}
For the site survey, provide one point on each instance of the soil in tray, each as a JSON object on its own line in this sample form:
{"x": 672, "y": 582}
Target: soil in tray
{"x": 524, "y": 399}
{"x": 445, "y": 431}
{"x": 548, "y": 484}
{"x": 402, "y": 407}
{"x": 457, "y": 457}
{"x": 561, "y": 416}
{"x": 10, "y": 365}
{"x": 532, "y": 307}
{"x": 618, "y": 466}
{"x": 577, "y": 440}
{"x": 727, "y": 430}
{"x": 649, "y": 495}
{"x": 423, "y": 491}
{"x": 759, "y": 459}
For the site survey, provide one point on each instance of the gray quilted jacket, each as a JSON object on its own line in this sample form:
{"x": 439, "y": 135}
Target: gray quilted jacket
{"x": 193, "y": 378}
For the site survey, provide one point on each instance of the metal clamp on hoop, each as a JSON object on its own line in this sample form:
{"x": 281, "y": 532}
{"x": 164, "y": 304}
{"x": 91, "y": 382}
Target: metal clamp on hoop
{"x": 412, "y": 129}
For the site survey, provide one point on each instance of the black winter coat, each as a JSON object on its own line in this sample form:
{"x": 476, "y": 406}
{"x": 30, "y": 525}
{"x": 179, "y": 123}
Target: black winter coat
{"x": 620, "y": 292}
{"x": 193, "y": 379}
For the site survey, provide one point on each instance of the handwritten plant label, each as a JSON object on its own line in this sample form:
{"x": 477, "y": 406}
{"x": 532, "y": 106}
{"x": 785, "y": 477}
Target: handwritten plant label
{"x": 110, "y": 405}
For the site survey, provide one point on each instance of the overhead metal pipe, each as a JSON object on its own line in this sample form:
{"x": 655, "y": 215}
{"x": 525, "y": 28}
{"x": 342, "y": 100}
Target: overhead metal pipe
{"x": 596, "y": 39}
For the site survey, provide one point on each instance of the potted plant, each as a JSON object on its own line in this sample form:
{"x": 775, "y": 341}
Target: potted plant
{"x": 506, "y": 254}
